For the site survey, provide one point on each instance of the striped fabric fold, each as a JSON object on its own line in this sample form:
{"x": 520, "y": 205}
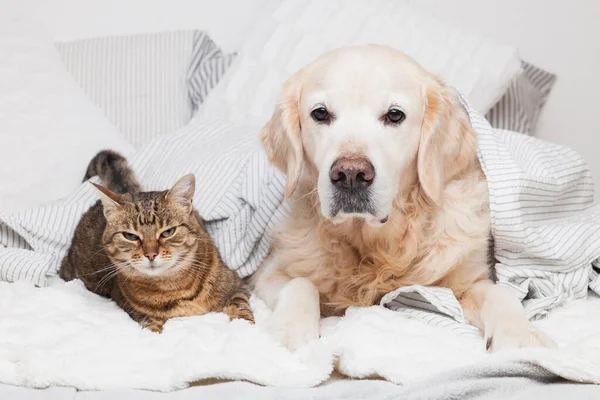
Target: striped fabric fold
{"x": 10, "y": 238}
{"x": 519, "y": 108}
{"x": 545, "y": 222}
{"x": 207, "y": 67}
{"x": 433, "y": 305}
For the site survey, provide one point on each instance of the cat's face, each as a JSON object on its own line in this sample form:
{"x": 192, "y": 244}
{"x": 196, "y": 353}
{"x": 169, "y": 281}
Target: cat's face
{"x": 151, "y": 232}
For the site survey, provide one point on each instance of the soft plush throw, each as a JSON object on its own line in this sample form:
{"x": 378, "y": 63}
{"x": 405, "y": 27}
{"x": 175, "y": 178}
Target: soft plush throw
{"x": 63, "y": 335}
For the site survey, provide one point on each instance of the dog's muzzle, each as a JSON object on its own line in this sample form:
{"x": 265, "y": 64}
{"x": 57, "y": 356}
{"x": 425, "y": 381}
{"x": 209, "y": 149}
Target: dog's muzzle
{"x": 351, "y": 176}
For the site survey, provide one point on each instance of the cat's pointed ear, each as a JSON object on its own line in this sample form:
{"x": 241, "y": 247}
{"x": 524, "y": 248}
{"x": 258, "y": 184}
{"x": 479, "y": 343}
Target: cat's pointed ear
{"x": 183, "y": 191}
{"x": 110, "y": 200}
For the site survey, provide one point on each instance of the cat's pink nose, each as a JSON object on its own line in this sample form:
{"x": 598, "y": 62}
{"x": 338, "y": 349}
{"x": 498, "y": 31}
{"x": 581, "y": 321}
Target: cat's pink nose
{"x": 151, "y": 255}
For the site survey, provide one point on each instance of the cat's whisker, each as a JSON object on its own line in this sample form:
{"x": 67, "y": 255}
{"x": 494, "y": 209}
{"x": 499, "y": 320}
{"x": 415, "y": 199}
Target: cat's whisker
{"x": 195, "y": 273}
{"x": 194, "y": 263}
{"x": 118, "y": 267}
{"x": 95, "y": 253}
{"x": 196, "y": 270}
{"x": 104, "y": 269}
{"x": 113, "y": 272}
{"x": 105, "y": 279}
{"x": 196, "y": 259}
{"x": 190, "y": 274}
{"x": 127, "y": 275}
{"x": 190, "y": 260}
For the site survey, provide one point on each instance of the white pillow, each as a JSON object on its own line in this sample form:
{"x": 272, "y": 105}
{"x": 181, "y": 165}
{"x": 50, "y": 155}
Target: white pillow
{"x": 49, "y": 129}
{"x": 143, "y": 82}
{"x": 139, "y": 81}
{"x": 300, "y": 30}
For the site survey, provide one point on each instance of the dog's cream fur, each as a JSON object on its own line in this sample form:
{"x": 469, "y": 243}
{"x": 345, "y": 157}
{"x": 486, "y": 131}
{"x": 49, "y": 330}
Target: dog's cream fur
{"x": 431, "y": 223}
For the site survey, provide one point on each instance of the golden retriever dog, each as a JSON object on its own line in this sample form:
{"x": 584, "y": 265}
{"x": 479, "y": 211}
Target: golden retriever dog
{"x": 386, "y": 191}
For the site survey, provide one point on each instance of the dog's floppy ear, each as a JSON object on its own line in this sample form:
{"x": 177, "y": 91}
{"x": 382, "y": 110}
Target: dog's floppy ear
{"x": 447, "y": 142}
{"x": 281, "y": 136}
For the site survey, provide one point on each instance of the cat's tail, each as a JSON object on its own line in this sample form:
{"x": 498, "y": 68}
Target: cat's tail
{"x": 115, "y": 173}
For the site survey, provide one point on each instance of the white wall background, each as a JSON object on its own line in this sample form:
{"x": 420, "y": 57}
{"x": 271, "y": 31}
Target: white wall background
{"x": 560, "y": 36}
{"x": 227, "y": 20}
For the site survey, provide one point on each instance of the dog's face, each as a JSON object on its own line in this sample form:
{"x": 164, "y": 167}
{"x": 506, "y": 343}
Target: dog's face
{"x": 354, "y": 123}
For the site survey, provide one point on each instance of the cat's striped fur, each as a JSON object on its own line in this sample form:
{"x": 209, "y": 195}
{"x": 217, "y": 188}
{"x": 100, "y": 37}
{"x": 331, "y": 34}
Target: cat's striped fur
{"x": 149, "y": 252}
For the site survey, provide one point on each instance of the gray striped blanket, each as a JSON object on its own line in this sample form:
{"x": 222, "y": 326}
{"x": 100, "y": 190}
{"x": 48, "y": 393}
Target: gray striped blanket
{"x": 544, "y": 220}
{"x": 238, "y": 194}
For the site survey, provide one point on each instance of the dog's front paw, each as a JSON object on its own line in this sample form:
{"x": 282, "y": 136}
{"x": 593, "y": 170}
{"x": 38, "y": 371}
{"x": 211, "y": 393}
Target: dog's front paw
{"x": 292, "y": 330}
{"x": 515, "y": 337}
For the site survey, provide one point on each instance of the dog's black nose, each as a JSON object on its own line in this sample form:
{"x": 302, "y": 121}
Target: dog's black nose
{"x": 352, "y": 172}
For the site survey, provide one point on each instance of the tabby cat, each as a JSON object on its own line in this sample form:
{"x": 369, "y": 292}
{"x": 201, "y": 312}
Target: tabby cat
{"x": 149, "y": 252}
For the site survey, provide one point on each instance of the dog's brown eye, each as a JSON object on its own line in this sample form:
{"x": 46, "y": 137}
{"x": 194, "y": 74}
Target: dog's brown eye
{"x": 395, "y": 116}
{"x": 167, "y": 233}
{"x": 130, "y": 236}
{"x": 320, "y": 114}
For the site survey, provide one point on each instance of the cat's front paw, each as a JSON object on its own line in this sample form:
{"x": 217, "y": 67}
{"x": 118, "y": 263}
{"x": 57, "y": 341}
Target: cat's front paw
{"x": 236, "y": 312}
{"x": 510, "y": 337}
{"x": 293, "y": 331}
{"x": 153, "y": 324}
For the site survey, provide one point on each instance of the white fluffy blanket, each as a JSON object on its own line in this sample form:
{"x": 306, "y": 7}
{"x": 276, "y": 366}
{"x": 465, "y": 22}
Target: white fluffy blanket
{"x": 63, "y": 335}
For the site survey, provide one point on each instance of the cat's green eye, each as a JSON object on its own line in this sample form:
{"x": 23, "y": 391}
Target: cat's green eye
{"x": 167, "y": 233}
{"x": 130, "y": 236}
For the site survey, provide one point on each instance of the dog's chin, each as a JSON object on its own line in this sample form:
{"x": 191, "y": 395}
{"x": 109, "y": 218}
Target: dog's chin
{"x": 339, "y": 212}
{"x": 370, "y": 219}
{"x": 375, "y": 221}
